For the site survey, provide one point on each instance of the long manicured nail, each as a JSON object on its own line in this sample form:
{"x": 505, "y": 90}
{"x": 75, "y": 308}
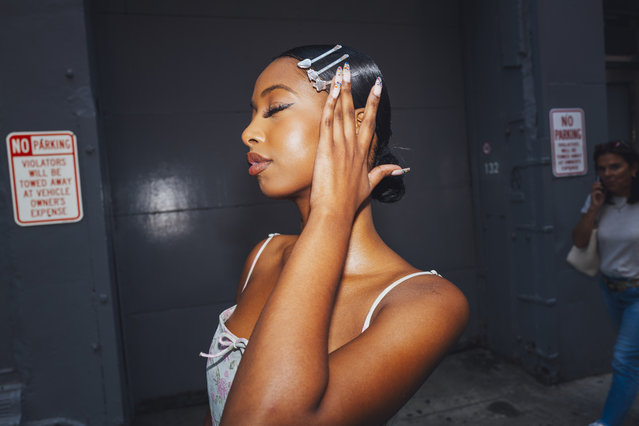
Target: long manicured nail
{"x": 400, "y": 171}
{"x": 347, "y": 73}
{"x": 338, "y": 83}
{"x": 377, "y": 89}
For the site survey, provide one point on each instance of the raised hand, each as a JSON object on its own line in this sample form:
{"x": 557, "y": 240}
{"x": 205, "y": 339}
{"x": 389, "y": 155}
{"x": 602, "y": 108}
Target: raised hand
{"x": 597, "y": 195}
{"x": 341, "y": 179}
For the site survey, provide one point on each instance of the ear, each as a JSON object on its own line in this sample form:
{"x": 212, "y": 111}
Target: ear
{"x": 359, "y": 116}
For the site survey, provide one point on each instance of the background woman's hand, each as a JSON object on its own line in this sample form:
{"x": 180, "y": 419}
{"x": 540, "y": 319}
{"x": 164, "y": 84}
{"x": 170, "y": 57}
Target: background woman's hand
{"x": 597, "y": 196}
{"x": 341, "y": 179}
{"x": 583, "y": 229}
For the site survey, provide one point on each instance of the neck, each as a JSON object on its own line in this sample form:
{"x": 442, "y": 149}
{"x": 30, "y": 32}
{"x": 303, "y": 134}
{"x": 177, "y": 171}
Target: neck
{"x": 625, "y": 193}
{"x": 364, "y": 241}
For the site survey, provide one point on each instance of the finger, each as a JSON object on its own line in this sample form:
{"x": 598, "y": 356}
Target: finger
{"x": 326, "y": 123}
{"x": 376, "y": 175}
{"x": 338, "y": 113}
{"x": 338, "y": 127}
{"x": 598, "y": 188}
{"x": 347, "y": 103}
{"x": 336, "y": 86}
{"x": 367, "y": 128}
{"x": 597, "y": 196}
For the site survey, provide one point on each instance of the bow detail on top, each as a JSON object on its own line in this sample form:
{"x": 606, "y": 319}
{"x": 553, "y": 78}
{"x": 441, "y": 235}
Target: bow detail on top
{"x": 229, "y": 342}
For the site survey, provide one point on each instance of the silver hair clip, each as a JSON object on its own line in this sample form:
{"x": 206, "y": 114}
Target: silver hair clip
{"x": 313, "y": 75}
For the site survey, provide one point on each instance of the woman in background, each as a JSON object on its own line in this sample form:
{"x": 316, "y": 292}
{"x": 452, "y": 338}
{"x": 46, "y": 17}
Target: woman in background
{"x": 613, "y": 207}
{"x": 342, "y": 330}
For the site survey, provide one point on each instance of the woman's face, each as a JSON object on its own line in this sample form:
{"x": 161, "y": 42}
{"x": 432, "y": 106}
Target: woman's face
{"x": 284, "y": 130}
{"x": 615, "y": 173}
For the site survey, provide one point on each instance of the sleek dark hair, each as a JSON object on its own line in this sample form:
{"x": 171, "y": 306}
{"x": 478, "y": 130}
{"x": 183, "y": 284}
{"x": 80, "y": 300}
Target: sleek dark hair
{"x": 631, "y": 157}
{"x": 364, "y": 73}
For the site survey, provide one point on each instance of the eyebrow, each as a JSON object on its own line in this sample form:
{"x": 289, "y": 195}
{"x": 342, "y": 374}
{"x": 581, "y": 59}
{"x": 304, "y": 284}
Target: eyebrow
{"x": 275, "y": 87}
{"x": 609, "y": 165}
{"x": 269, "y": 90}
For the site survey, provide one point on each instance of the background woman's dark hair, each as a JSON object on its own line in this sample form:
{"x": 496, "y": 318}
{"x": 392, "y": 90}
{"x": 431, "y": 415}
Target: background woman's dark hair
{"x": 364, "y": 72}
{"x": 631, "y": 157}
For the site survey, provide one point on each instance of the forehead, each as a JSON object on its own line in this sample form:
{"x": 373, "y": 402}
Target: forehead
{"x": 610, "y": 158}
{"x": 284, "y": 71}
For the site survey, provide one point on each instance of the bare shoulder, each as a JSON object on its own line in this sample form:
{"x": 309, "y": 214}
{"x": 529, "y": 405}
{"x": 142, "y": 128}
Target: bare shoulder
{"x": 412, "y": 328}
{"x": 265, "y": 259}
{"x": 430, "y": 289}
{"x": 429, "y": 300}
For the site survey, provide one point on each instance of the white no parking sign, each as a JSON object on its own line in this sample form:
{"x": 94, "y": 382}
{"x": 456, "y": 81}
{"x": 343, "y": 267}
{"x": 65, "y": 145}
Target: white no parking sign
{"x": 568, "y": 142}
{"x": 45, "y": 180}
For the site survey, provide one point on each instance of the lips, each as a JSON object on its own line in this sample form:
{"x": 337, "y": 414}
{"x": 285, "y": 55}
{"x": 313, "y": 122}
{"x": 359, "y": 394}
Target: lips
{"x": 257, "y": 162}
{"x": 609, "y": 183}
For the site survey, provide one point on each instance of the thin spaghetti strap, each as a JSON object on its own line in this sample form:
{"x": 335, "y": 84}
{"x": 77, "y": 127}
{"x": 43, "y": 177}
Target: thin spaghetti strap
{"x": 257, "y": 256}
{"x": 389, "y": 288}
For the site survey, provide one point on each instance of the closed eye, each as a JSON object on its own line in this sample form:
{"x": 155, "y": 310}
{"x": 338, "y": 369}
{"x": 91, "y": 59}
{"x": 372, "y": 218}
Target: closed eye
{"x": 273, "y": 109}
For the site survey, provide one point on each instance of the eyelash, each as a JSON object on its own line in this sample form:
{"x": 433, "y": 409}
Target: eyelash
{"x": 275, "y": 109}
{"x": 612, "y": 167}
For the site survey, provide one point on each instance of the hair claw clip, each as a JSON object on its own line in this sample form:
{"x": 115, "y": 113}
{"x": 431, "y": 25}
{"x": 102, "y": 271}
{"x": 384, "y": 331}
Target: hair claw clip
{"x": 313, "y": 75}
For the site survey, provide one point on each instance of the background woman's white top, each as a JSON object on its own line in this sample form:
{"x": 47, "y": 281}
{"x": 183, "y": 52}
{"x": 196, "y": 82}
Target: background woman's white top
{"x": 618, "y": 237}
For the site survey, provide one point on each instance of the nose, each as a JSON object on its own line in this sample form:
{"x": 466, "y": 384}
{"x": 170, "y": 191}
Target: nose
{"x": 608, "y": 172}
{"x": 252, "y": 134}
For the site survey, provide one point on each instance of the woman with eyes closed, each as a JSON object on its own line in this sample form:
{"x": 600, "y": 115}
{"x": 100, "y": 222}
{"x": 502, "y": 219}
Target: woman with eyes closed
{"x": 613, "y": 208}
{"x": 331, "y": 327}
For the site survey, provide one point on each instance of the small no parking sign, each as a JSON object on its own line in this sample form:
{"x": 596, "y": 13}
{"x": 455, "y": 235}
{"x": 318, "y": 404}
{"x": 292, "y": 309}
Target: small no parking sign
{"x": 568, "y": 142}
{"x": 45, "y": 179}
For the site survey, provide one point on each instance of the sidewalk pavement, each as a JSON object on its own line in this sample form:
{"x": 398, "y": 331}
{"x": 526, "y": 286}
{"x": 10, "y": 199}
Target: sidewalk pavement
{"x": 474, "y": 388}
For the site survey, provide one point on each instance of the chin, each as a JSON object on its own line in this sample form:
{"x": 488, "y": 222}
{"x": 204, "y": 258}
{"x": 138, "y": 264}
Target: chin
{"x": 273, "y": 193}
{"x": 279, "y": 193}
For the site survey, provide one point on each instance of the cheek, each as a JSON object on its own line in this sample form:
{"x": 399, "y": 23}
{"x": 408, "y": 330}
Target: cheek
{"x": 300, "y": 143}
{"x": 622, "y": 172}
{"x": 294, "y": 160}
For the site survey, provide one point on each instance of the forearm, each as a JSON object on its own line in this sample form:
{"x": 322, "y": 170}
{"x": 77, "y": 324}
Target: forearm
{"x": 288, "y": 350}
{"x": 581, "y": 232}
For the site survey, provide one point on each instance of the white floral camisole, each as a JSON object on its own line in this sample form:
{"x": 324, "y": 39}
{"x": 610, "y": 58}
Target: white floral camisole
{"x": 226, "y": 350}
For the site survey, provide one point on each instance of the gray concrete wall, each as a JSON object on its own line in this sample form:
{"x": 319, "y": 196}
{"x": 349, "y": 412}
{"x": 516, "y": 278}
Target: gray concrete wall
{"x": 571, "y": 70}
{"x": 524, "y": 58}
{"x": 58, "y": 334}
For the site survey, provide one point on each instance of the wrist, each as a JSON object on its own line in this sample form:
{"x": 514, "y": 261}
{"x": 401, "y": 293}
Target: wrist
{"x": 330, "y": 218}
{"x": 593, "y": 210}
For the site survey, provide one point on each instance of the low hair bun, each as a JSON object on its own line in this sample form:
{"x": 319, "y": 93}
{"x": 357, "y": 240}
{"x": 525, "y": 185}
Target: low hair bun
{"x": 391, "y": 188}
